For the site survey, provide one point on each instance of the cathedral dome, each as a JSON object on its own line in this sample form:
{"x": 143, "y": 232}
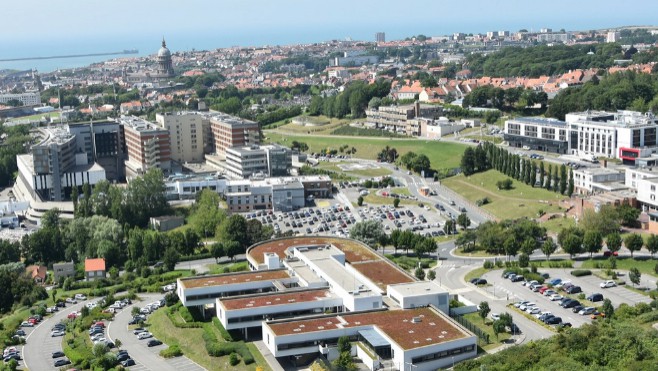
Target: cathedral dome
{"x": 164, "y": 52}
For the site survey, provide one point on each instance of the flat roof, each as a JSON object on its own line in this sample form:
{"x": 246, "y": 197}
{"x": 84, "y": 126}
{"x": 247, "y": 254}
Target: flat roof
{"x": 278, "y": 298}
{"x": 232, "y": 278}
{"x": 354, "y": 251}
{"x": 418, "y": 288}
{"x": 381, "y": 273}
{"x": 432, "y": 328}
{"x": 541, "y": 121}
{"x": 305, "y": 273}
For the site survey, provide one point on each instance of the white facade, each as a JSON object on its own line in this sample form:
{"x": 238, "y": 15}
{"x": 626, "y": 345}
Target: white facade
{"x": 28, "y": 99}
{"x": 187, "y": 132}
{"x": 588, "y": 180}
{"x": 419, "y": 294}
{"x": 634, "y": 175}
{"x": 647, "y": 192}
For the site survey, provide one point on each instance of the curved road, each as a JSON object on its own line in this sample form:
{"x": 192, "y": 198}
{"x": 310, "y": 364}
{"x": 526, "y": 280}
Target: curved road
{"x": 37, "y": 352}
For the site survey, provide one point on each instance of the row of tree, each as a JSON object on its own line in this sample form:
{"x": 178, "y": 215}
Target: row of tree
{"x": 489, "y": 156}
{"x": 506, "y": 237}
{"x": 352, "y": 101}
{"x": 518, "y": 99}
{"x": 415, "y": 162}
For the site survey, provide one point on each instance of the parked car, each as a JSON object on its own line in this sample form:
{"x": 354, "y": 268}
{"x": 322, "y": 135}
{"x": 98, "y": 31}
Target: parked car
{"x": 122, "y": 357}
{"x": 517, "y": 278}
{"x": 62, "y": 362}
{"x": 58, "y": 354}
{"x": 543, "y": 289}
{"x": 57, "y": 333}
{"x": 574, "y": 290}
{"x": 138, "y": 330}
{"x": 556, "y": 321}
{"x": 577, "y": 308}
{"x": 479, "y": 281}
{"x": 533, "y": 310}
{"x": 587, "y": 311}
{"x": 549, "y": 292}
{"x": 555, "y": 281}
{"x": 144, "y": 335}
{"x": 153, "y": 343}
{"x": 608, "y": 284}
{"x": 556, "y": 297}
{"x": 495, "y": 316}
{"x": 520, "y": 303}
{"x": 609, "y": 253}
{"x": 127, "y": 363}
{"x": 525, "y": 307}
{"x": 80, "y": 297}
{"x": 71, "y": 301}
{"x": 571, "y": 303}
{"x": 595, "y": 297}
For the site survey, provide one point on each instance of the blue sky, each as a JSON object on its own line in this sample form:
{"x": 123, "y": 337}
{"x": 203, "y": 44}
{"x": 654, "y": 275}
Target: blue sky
{"x": 275, "y": 21}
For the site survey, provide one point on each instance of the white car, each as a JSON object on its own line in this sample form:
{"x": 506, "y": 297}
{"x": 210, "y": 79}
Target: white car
{"x": 27, "y": 324}
{"x": 57, "y": 333}
{"x": 542, "y": 314}
{"x": 608, "y": 284}
{"x": 145, "y": 310}
{"x": 80, "y": 297}
{"x": 71, "y": 301}
{"x": 525, "y": 306}
{"x": 549, "y": 293}
{"x": 556, "y": 297}
{"x": 534, "y": 310}
{"x": 517, "y": 305}
{"x": 561, "y": 284}
{"x": 495, "y": 316}
{"x": 144, "y": 335}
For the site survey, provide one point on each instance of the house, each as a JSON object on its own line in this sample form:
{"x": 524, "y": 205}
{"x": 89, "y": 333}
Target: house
{"x": 94, "y": 268}
{"x": 166, "y": 223}
{"x": 37, "y": 273}
{"x": 64, "y": 270}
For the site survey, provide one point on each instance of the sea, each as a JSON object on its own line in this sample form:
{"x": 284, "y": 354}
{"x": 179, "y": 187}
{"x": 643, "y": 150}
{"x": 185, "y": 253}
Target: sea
{"x": 149, "y": 42}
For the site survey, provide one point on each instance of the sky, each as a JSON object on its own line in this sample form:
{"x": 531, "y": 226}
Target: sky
{"x": 258, "y": 22}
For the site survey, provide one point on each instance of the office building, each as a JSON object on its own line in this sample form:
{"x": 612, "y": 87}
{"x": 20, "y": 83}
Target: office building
{"x": 230, "y": 131}
{"x": 354, "y": 58}
{"x": 613, "y": 37}
{"x": 598, "y": 180}
{"x": 54, "y": 167}
{"x": 380, "y": 37}
{"x": 27, "y": 99}
{"x": 303, "y": 293}
{"x": 605, "y": 134}
{"x": 561, "y": 37}
{"x": 148, "y": 146}
{"x": 538, "y": 133}
{"x": 187, "y": 135}
{"x": 243, "y": 162}
{"x": 103, "y": 143}
{"x": 396, "y": 118}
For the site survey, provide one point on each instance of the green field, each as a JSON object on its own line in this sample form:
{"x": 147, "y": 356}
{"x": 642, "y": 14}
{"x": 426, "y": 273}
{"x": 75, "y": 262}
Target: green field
{"x": 442, "y": 155}
{"x": 645, "y": 266}
{"x": 39, "y": 116}
{"x": 521, "y": 201}
{"x": 487, "y": 327}
{"x": 326, "y": 125}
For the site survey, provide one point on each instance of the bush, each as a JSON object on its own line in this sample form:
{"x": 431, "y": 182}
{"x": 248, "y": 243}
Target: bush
{"x": 488, "y": 264}
{"x": 483, "y": 201}
{"x": 499, "y": 263}
{"x": 581, "y": 272}
{"x": 225, "y": 334}
{"x": 171, "y": 352}
{"x": 233, "y": 359}
{"x": 524, "y": 260}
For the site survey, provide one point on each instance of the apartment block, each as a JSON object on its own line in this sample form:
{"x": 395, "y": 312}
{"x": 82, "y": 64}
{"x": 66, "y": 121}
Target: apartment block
{"x": 396, "y": 118}
{"x": 148, "y": 146}
{"x": 539, "y": 134}
{"x": 28, "y": 98}
{"x": 103, "y": 143}
{"x": 230, "y": 131}
{"x": 187, "y": 135}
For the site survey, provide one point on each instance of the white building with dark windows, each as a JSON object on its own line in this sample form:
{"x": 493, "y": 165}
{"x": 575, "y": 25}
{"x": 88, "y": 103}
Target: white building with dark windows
{"x": 541, "y": 134}
{"x": 27, "y": 99}
{"x": 304, "y": 293}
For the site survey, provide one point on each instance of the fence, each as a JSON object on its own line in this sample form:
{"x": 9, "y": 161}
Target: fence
{"x": 473, "y": 328}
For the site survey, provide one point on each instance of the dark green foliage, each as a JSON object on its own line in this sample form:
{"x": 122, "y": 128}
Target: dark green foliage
{"x": 581, "y": 272}
{"x": 171, "y": 352}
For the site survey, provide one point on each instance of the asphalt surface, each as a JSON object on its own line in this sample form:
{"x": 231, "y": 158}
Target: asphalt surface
{"x": 37, "y": 352}
{"x": 146, "y": 358}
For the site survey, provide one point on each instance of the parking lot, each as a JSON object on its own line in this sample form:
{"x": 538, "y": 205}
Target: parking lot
{"x": 515, "y": 291}
{"x": 336, "y": 219}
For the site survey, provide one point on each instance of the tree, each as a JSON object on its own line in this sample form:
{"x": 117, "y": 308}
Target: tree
{"x": 359, "y": 201}
{"x": 498, "y": 327}
{"x": 613, "y": 242}
{"x": 607, "y": 309}
{"x": 232, "y": 248}
{"x": 571, "y": 183}
{"x": 628, "y": 215}
{"x": 634, "y": 275}
{"x": 652, "y": 244}
{"x": 344, "y": 361}
{"x": 524, "y": 260}
{"x": 592, "y": 242}
{"x": 419, "y": 273}
{"x": 171, "y": 257}
{"x": 528, "y": 246}
{"x": 396, "y": 202}
{"x": 234, "y": 228}
{"x": 633, "y": 242}
{"x": 511, "y": 246}
{"x": 563, "y": 179}
{"x": 370, "y": 232}
{"x": 541, "y": 174}
{"x": 468, "y": 161}
{"x": 572, "y": 245}
{"x": 463, "y": 220}
{"x": 449, "y": 227}
{"x": 217, "y": 251}
{"x": 431, "y": 275}
{"x": 483, "y": 310}
{"x": 548, "y": 248}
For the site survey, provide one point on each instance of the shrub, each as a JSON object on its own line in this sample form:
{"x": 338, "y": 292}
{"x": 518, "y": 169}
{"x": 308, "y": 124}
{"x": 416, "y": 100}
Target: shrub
{"x": 225, "y": 334}
{"x": 499, "y": 263}
{"x": 581, "y": 272}
{"x": 233, "y": 359}
{"x": 523, "y": 262}
{"x": 171, "y": 352}
{"x": 488, "y": 264}
{"x": 581, "y": 296}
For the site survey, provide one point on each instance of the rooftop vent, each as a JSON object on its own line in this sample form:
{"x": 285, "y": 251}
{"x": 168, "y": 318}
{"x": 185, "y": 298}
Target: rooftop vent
{"x": 268, "y": 302}
{"x": 416, "y": 320}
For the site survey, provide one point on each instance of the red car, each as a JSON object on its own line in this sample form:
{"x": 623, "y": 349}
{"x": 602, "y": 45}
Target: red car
{"x": 542, "y": 289}
{"x": 610, "y": 253}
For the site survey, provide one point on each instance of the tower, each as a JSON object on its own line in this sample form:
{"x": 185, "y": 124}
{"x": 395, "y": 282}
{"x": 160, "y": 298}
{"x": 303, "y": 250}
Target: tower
{"x": 165, "y": 67}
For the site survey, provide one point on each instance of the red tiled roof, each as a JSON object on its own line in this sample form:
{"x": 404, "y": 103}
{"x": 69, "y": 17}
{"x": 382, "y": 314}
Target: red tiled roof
{"x": 233, "y": 278}
{"x": 278, "y": 298}
{"x": 92, "y": 265}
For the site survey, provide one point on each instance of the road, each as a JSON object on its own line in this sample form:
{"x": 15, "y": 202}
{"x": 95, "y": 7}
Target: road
{"x": 145, "y": 358}
{"x": 37, "y": 352}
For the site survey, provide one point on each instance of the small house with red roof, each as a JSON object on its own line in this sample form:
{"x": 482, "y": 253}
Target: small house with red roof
{"x": 37, "y": 273}
{"x": 94, "y": 269}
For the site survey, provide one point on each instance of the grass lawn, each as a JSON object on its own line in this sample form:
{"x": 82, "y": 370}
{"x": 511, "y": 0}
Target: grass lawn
{"x": 441, "y": 154}
{"x": 645, "y": 266}
{"x": 521, "y": 201}
{"x": 54, "y": 115}
{"x": 476, "y": 273}
{"x": 473, "y": 254}
{"x": 232, "y": 267}
{"x": 374, "y": 199}
{"x": 410, "y": 262}
{"x": 325, "y": 125}
{"x": 487, "y": 327}
{"x": 555, "y": 225}
{"x": 191, "y": 343}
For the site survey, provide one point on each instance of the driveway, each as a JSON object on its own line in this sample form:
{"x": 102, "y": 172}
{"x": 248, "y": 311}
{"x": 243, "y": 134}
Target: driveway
{"x": 145, "y": 358}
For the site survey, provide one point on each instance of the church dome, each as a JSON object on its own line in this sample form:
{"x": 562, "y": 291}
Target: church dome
{"x": 164, "y": 52}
